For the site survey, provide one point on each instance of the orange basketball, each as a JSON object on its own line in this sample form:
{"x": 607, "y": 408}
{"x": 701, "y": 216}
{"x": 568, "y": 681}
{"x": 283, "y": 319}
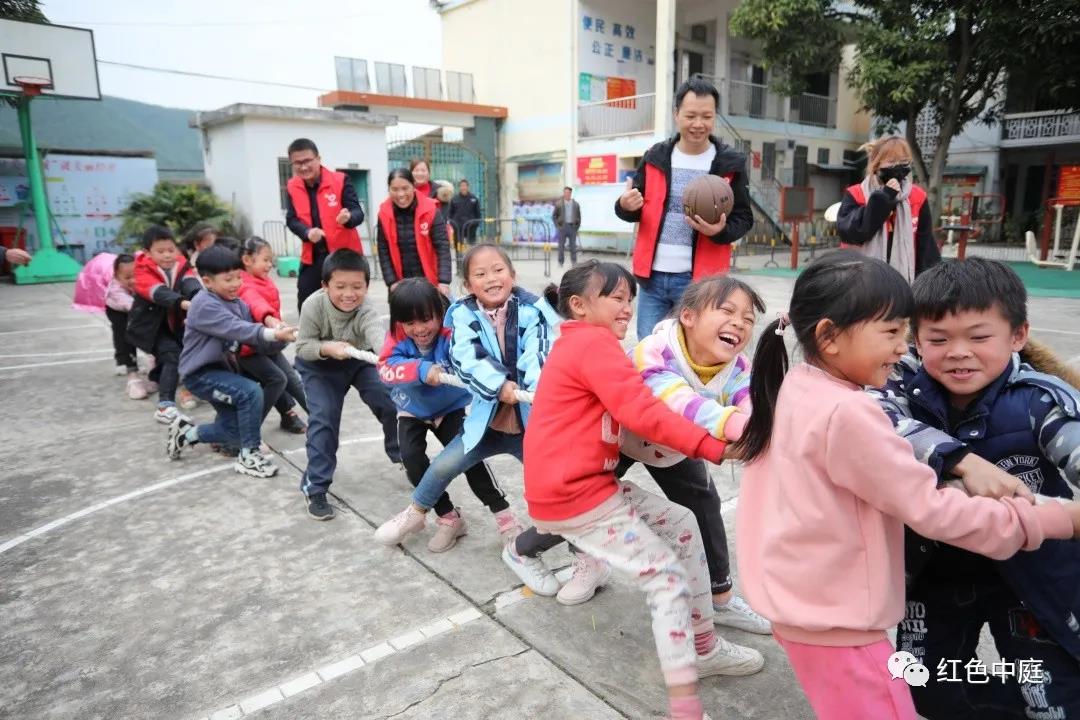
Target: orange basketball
{"x": 709, "y": 196}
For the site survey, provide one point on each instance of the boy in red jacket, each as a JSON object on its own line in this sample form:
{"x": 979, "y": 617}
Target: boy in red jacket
{"x": 164, "y": 286}
{"x": 651, "y": 540}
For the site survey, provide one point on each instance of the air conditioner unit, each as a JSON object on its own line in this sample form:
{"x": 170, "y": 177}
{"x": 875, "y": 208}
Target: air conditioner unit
{"x": 785, "y": 144}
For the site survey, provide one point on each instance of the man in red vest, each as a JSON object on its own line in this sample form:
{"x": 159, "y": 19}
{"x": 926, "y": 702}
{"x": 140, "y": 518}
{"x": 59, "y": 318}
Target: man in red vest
{"x": 323, "y": 211}
{"x": 672, "y": 249}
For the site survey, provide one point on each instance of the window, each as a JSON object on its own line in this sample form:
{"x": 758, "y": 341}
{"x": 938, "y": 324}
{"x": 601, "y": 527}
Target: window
{"x": 823, "y": 156}
{"x": 768, "y": 161}
{"x": 800, "y": 173}
{"x": 284, "y": 172}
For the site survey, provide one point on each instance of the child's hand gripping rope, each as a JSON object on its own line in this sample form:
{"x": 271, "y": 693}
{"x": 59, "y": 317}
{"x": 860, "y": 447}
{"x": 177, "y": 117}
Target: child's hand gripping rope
{"x": 523, "y": 396}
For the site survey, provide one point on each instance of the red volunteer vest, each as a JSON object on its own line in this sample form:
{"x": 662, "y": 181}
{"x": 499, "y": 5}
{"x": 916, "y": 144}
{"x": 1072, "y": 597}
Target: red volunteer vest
{"x": 916, "y": 199}
{"x": 710, "y": 258}
{"x": 423, "y": 222}
{"x": 328, "y": 197}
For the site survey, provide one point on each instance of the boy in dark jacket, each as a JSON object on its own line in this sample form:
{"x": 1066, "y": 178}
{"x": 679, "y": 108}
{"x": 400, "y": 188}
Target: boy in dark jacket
{"x": 218, "y": 324}
{"x": 972, "y": 394}
{"x": 164, "y": 287}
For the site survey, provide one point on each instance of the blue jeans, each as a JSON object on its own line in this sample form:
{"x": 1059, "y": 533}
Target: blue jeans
{"x": 454, "y": 461}
{"x": 326, "y": 382}
{"x": 657, "y": 296}
{"x": 238, "y": 402}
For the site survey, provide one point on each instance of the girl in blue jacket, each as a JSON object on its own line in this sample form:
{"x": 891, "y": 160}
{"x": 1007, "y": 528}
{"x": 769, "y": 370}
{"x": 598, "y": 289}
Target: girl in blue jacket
{"x": 416, "y": 352}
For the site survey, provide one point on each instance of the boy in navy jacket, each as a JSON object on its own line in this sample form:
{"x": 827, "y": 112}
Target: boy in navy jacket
{"x": 972, "y": 394}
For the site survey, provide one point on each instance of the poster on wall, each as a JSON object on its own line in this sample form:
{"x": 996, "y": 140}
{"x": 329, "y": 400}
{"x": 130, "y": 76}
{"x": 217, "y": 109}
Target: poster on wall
{"x": 1069, "y": 181}
{"x": 596, "y": 170}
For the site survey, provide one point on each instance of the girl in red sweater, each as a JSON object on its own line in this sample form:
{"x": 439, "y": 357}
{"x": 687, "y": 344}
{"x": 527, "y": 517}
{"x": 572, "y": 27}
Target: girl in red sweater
{"x": 583, "y": 404}
{"x": 271, "y": 371}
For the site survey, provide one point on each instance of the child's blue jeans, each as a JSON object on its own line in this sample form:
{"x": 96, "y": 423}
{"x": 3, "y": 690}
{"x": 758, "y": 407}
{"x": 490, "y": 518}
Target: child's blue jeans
{"x": 238, "y": 402}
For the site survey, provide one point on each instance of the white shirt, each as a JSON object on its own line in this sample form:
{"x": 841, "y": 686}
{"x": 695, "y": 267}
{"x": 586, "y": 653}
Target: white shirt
{"x": 675, "y": 247}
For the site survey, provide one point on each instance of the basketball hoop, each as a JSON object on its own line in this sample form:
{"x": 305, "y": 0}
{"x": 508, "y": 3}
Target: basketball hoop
{"x": 32, "y": 86}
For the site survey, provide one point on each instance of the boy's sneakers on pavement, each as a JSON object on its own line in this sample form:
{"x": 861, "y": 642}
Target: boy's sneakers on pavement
{"x": 727, "y": 658}
{"x": 531, "y": 571}
{"x": 166, "y": 413}
{"x": 185, "y": 399}
{"x": 291, "y": 423}
{"x": 448, "y": 528}
{"x": 136, "y": 388}
{"x": 178, "y": 437}
{"x": 399, "y": 527}
{"x": 589, "y": 575}
{"x": 252, "y": 462}
{"x": 738, "y": 614}
{"x": 319, "y": 508}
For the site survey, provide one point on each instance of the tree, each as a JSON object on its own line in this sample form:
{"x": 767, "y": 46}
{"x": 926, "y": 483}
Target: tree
{"x": 952, "y": 59}
{"x": 25, "y": 10}
{"x": 179, "y": 207}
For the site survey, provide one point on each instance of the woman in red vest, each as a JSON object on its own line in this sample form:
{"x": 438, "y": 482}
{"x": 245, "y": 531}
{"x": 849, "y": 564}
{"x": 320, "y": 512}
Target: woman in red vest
{"x": 422, "y": 179}
{"x": 886, "y": 216}
{"x": 412, "y": 240}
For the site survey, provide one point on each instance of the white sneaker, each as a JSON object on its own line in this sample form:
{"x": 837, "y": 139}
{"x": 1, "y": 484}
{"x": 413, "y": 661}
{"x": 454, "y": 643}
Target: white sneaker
{"x": 253, "y": 462}
{"x": 399, "y": 527}
{"x": 447, "y": 531}
{"x": 151, "y": 386}
{"x": 531, "y": 571}
{"x": 120, "y": 370}
{"x": 589, "y": 575}
{"x": 727, "y": 658}
{"x": 738, "y": 614}
{"x": 165, "y": 414}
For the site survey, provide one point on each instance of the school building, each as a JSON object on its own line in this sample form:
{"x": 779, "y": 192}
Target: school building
{"x": 589, "y": 86}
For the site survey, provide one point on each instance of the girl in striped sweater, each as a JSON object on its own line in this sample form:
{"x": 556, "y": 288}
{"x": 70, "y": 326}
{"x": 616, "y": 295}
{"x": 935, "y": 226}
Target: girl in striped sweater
{"x": 694, "y": 362}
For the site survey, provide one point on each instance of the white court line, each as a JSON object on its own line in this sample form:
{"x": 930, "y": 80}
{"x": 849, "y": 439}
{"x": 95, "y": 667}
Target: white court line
{"x": 1052, "y": 330}
{"x": 49, "y": 527}
{"x": 351, "y": 441}
{"x": 344, "y": 666}
{"x": 58, "y": 354}
{"x": 52, "y": 329}
{"x": 51, "y": 364}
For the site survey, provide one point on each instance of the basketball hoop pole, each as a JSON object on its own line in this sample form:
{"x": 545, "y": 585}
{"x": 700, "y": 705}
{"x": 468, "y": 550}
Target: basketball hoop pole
{"x": 47, "y": 264}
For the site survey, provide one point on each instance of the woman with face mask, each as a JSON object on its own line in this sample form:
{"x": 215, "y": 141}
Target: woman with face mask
{"x": 886, "y": 216}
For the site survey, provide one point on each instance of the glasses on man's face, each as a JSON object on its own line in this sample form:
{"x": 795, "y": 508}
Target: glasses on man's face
{"x": 297, "y": 164}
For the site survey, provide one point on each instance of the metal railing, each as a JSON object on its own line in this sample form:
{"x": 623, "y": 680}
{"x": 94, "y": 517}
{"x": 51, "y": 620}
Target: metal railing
{"x": 632, "y": 115}
{"x": 1040, "y": 128}
{"x": 754, "y": 100}
{"x": 810, "y": 109}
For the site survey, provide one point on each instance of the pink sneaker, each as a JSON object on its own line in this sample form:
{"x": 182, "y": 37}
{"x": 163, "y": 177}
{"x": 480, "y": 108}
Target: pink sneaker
{"x": 589, "y": 575}
{"x": 136, "y": 389}
{"x": 405, "y": 523}
{"x": 448, "y": 528}
{"x": 508, "y": 525}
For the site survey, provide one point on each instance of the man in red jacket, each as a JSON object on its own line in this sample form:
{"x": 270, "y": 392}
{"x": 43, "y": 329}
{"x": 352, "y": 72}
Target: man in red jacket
{"x": 323, "y": 211}
{"x": 673, "y": 249}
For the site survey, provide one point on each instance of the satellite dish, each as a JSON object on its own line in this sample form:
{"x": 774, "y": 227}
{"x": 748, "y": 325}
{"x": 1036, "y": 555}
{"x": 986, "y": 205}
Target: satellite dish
{"x": 831, "y": 212}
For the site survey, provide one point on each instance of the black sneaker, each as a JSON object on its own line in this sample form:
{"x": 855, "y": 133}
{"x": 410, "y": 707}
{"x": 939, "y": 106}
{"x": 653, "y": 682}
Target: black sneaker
{"x": 318, "y": 508}
{"x": 291, "y": 423}
{"x": 177, "y": 437}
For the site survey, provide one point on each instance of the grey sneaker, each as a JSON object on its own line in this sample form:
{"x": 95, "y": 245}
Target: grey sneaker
{"x": 738, "y": 614}
{"x": 254, "y": 463}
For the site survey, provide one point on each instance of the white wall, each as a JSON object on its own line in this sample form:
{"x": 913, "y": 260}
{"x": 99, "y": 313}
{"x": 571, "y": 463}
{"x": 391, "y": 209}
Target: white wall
{"x": 243, "y": 159}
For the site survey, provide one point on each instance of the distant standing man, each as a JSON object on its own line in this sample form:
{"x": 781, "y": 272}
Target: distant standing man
{"x": 567, "y": 219}
{"x": 323, "y": 211}
{"x": 465, "y": 207}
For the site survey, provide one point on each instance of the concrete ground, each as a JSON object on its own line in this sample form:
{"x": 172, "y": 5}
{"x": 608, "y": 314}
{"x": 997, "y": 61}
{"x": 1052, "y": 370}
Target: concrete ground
{"x": 136, "y": 587}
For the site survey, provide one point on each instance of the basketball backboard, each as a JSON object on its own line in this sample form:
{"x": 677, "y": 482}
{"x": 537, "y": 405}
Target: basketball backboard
{"x": 62, "y": 55}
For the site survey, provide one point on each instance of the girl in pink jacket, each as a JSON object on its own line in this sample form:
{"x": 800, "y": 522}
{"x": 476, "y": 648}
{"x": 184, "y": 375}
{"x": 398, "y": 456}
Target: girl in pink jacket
{"x": 829, "y": 487}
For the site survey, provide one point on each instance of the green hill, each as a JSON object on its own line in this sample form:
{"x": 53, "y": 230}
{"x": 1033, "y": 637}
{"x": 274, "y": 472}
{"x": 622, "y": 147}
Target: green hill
{"x": 112, "y": 124}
